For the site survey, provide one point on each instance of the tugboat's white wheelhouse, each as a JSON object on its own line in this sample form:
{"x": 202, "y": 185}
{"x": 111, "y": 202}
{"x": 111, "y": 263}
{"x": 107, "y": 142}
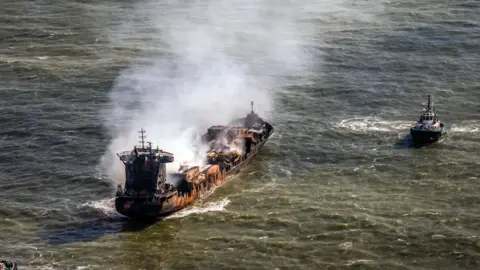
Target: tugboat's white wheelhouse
{"x": 428, "y": 118}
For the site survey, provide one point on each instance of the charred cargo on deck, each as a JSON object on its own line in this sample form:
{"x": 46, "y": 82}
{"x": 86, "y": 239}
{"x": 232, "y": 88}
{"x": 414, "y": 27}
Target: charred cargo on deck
{"x": 150, "y": 192}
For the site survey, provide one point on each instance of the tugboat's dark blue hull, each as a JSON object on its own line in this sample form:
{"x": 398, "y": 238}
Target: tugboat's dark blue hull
{"x": 426, "y": 136}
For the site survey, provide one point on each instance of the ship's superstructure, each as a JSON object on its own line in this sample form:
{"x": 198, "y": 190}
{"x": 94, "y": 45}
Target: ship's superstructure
{"x": 145, "y": 169}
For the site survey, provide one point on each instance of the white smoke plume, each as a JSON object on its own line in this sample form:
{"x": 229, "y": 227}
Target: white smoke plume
{"x": 214, "y": 58}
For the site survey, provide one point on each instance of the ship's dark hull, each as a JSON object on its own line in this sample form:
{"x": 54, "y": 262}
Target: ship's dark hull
{"x": 426, "y": 136}
{"x": 157, "y": 207}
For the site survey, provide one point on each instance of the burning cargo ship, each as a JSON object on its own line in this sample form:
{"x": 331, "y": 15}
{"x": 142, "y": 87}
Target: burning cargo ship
{"x": 151, "y": 192}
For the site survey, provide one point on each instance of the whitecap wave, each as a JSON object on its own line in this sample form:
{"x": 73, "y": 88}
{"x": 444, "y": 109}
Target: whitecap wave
{"x": 359, "y": 262}
{"x": 106, "y": 206}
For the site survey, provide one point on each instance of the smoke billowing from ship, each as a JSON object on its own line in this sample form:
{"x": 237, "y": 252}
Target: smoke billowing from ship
{"x": 212, "y": 58}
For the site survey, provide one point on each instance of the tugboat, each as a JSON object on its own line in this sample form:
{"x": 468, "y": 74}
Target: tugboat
{"x": 7, "y": 265}
{"x": 428, "y": 128}
{"x": 149, "y": 192}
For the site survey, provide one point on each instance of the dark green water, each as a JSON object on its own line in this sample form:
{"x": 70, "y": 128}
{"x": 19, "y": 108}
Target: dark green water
{"x": 337, "y": 187}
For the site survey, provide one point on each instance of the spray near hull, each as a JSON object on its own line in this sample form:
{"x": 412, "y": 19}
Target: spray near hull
{"x": 231, "y": 148}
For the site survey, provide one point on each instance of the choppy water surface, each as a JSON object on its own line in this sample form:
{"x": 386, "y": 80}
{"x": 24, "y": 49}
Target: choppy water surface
{"x": 337, "y": 187}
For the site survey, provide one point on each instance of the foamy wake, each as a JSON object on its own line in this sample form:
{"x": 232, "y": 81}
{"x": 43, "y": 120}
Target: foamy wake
{"x": 466, "y": 127}
{"x": 208, "y": 207}
{"x": 106, "y": 206}
{"x": 364, "y": 124}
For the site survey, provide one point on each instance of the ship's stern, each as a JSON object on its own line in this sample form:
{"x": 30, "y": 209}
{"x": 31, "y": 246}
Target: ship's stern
{"x": 425, "y": 136}
{"x": 138, "y": 207}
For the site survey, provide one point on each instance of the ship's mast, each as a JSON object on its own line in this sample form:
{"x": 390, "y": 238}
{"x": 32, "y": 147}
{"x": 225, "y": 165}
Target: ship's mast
{"x": 429, "y": 102}
{"x": 142, "y": 131}
{"x": 251, "y": 103}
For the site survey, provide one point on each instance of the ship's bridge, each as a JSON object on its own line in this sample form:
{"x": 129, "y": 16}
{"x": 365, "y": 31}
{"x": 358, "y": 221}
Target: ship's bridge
{"x": 428, "y": 117}
{"x": 153, "y": 154}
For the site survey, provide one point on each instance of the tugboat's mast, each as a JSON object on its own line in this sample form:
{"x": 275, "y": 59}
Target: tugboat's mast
{"x": 251, "y": 103}
{"x": 142, "y": 131}
{"x": 429, "y": 102}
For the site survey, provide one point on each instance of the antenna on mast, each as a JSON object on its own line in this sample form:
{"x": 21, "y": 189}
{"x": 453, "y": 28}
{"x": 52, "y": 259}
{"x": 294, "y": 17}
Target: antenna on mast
{"x": 142, "y": 131}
